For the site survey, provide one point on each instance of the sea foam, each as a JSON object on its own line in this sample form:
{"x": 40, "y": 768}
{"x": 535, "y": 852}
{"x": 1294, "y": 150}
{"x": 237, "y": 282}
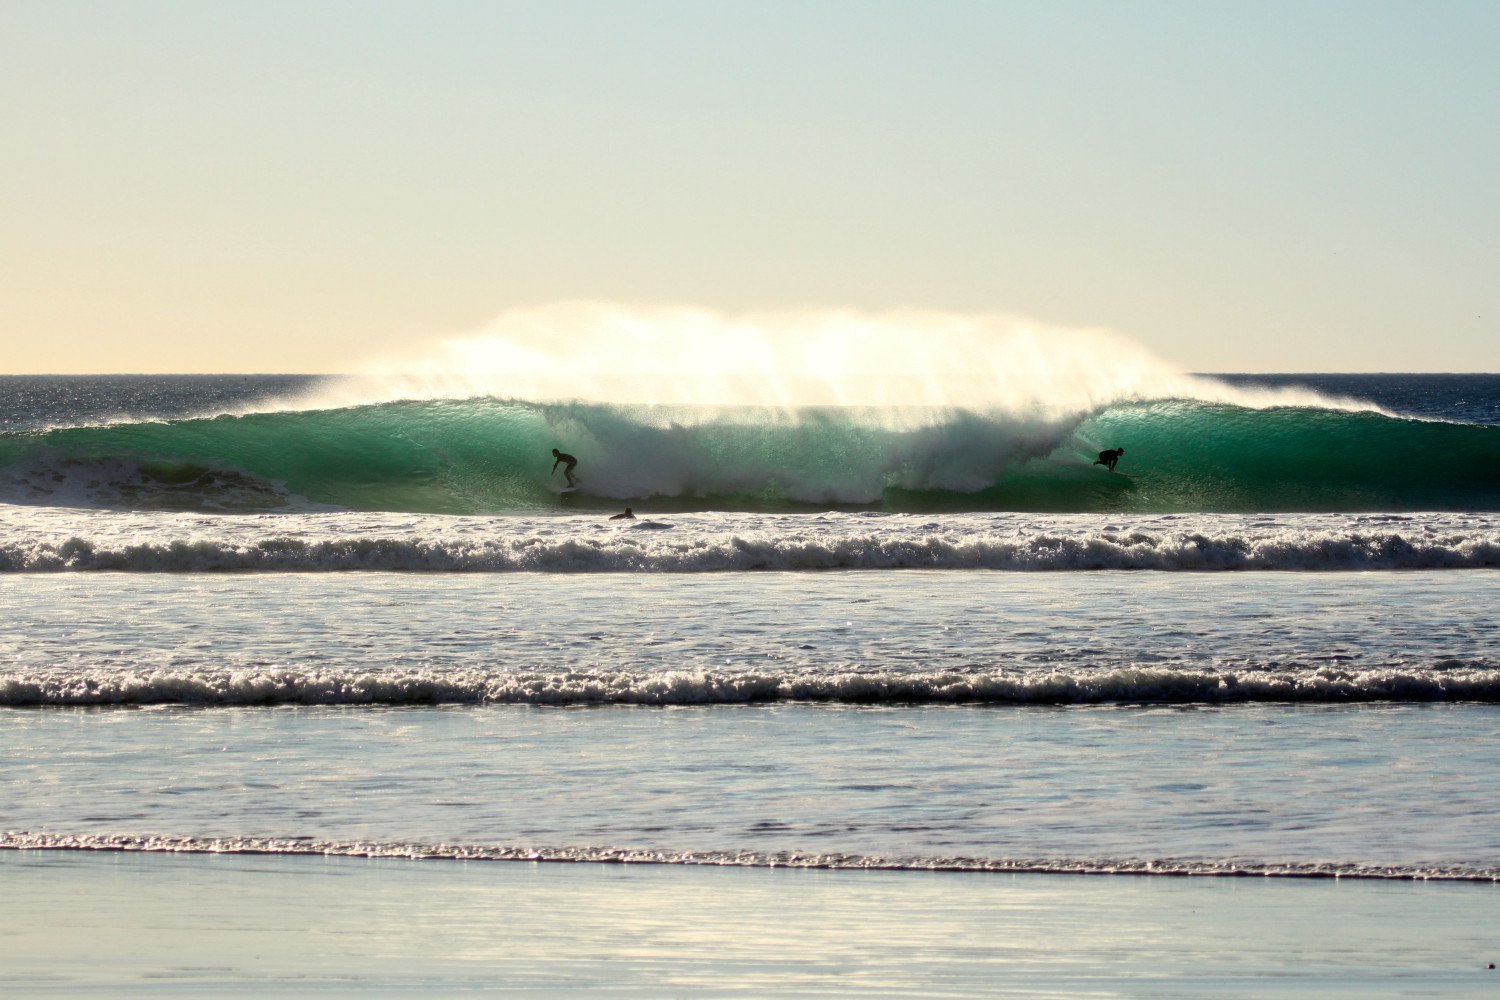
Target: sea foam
{"x": 1440, "y": 680}
{"x": 436, "y": 851}
{"x": 55, "y": 540}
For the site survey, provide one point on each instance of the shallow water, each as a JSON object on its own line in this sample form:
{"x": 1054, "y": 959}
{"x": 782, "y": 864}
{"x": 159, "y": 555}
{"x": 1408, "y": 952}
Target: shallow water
{"x": 1201, "y": 789}
{"x": 132, "y": 925}
{"x": 864, "y": 637}
{"x": 1297, "y": 779}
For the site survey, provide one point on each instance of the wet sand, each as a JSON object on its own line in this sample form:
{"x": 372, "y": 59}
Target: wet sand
{"x": 91, "y": 924}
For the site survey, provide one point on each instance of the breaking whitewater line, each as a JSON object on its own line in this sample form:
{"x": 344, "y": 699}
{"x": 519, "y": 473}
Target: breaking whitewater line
{"x": 415, "y": 851}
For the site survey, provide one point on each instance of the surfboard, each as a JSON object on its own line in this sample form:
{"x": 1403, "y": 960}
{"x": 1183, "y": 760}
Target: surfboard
{"x": 568, "y": 489}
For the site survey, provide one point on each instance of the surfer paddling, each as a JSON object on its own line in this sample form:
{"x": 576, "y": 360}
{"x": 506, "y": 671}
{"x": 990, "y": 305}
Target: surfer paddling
{"x": 627, "y": 516}
{"x": 1109, "y": 458}
{"x": 569, "y": 463}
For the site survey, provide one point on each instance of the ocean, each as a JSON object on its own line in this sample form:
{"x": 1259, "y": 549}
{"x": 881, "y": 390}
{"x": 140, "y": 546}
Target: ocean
{"x": 846, "y": 709}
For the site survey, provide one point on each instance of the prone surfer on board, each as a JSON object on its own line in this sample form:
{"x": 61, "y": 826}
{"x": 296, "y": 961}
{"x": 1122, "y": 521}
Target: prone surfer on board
{"x": 627, "y": 516}
{"x": 1109, "y": 458}
{"x": 569, "y": 463}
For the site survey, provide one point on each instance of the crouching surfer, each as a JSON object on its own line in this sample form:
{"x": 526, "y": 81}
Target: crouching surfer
{"x": 569, "y": 463}
{"x": 1109, "y": 457}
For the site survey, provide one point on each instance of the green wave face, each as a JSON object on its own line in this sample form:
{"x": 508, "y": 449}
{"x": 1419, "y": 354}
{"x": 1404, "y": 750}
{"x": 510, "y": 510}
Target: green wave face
{"x": 1194, "y": 456}
{"x": 441, "y": 457}
{"x": 490, "y": 456}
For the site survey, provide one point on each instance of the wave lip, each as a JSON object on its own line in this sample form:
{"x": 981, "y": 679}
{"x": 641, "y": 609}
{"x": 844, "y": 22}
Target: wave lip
{"x": 418, "y": 851}
{"x": 1445, "y": 680}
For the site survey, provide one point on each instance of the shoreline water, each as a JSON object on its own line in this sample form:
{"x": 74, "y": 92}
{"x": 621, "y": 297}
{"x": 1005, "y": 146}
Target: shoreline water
{"x": 1396, "y": 790}
{"x": 20, "y": 841}
{"x": 136, "y": 925}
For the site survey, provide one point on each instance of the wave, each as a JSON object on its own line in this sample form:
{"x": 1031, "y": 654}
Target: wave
{"x": 481, "y": 456}
{"x": 419, "y": 851}
{"x": 787, "y": 543}
{"x": 1443, "y": 680}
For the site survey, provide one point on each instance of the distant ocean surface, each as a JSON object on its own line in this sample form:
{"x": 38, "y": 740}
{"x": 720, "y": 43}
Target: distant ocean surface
{"x": 233, "y": 617}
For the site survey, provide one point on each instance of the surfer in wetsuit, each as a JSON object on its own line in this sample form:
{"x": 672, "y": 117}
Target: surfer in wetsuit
{"x": 568, "y": 462}
{"x": 627, "y": 516}
{"x": 1109, "y": 458}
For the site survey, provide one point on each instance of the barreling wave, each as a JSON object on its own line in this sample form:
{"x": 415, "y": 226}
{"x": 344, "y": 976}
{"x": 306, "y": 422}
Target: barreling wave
{"x": 481, "y": 456}
{"x": 1438, "y": 681}
{"x": 426, "y": 851}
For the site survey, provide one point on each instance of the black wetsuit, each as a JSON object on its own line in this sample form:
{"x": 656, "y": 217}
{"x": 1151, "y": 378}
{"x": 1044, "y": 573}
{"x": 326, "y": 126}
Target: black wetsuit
{"x": 1109, "y": 458}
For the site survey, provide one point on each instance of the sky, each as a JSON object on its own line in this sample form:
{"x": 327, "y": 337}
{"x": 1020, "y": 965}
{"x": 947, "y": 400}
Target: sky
{"x": 298, "y": 187}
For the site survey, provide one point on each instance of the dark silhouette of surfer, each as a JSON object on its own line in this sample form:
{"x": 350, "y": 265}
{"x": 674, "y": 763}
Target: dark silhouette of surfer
{"x": 568, "y": 462}
{"x": 627, "y": 516}
{"x": 1109, "y": 458}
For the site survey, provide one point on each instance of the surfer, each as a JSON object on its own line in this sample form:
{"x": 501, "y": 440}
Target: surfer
{"x": 627, "y": 516}
{"x": 569, "y": 463}
{"x": 1109, "y": 458}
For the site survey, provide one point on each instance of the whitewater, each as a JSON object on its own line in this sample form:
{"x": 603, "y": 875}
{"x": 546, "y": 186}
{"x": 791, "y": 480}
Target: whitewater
{"x": 69, "y": 540}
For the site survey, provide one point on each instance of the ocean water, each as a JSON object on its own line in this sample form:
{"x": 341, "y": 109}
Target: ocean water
{"x": 212, "y": 444}
{"x": 237, "y": 619}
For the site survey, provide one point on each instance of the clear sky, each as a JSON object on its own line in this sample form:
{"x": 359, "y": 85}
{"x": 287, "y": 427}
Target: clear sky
{"x": 295, "y": 186}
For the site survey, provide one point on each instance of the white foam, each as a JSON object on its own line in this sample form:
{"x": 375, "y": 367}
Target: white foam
{"x": 45, "y": 539}
{"x": 423, "y": 851}
{"x": 1445, "y": 680}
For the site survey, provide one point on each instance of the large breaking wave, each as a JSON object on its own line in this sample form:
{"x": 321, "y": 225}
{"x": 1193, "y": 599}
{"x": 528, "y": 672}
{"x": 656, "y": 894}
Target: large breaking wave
{"x": 681, "y": 409}
{"x": 483, "y": 455}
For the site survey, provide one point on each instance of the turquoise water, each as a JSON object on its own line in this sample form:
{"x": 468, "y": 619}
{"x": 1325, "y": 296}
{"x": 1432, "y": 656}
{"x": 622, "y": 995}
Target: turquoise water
{"x": 487, "y": 456}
